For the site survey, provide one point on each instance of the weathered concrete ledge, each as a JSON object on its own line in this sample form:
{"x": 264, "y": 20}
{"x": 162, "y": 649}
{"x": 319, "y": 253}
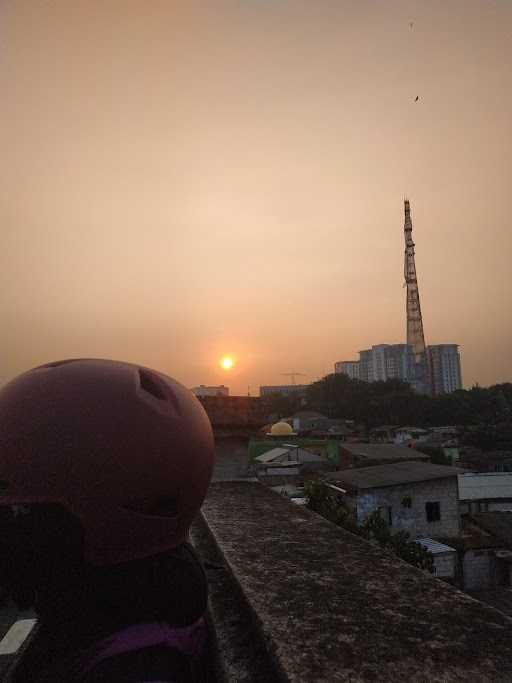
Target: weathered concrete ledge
{"x": 306, "y": 601}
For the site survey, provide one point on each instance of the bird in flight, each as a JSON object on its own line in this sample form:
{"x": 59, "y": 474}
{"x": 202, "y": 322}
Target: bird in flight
{"x": 417, "y": 98}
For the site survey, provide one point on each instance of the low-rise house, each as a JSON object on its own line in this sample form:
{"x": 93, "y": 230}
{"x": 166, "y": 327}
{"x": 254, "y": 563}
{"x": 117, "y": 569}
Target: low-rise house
{"x": 305, "y": 419}
{"x": 485, "y": 492}
{"x": 416, "y": 497}
{"x": 289, "y": 453}
{"x": 384, "y": 433}
{"x": 311, "y": 423}
{"x": 445, "y": 558}
{"x": 294, "y": 492}
{"x": 487, "y": 551}
{"x": 359, "y": 454}
{"x": 404, "y": 435}
{"x": 289, "y": 464}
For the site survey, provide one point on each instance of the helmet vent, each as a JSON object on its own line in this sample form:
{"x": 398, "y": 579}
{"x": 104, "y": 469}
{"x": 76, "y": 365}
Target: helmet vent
{"x": 149, "y": 384}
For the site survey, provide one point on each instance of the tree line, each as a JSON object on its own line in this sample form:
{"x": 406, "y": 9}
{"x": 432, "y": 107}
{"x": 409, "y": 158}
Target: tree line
{"x": 486, "y": 411}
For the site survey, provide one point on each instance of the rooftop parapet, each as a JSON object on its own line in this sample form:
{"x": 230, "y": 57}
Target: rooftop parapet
{"x": 295, "y": 598}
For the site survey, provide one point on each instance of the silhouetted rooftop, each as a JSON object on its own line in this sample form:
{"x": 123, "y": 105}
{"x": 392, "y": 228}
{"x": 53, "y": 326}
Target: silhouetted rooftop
{"x": 383, "y": 451}
{"x": 392, "y": 474}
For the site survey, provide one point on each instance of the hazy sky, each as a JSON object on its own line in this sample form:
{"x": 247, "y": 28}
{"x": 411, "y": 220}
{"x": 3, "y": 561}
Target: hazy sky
{"x": 180, "y": 180}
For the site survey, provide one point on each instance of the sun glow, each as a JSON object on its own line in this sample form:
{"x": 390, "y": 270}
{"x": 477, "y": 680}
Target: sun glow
{"x": 226, "y": 363}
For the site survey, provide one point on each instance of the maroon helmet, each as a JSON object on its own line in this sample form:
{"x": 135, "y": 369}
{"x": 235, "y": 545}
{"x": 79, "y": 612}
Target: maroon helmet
{"x": 127, "y": 450}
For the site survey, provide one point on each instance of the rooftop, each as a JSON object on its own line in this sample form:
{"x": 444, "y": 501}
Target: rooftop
{"x": 392, "y": 474}
{"x": 435, "y": 547}
{"x": 498, "y": 524}
{"x": 383, "y": 451}
{"x": 485, "y": 485}
{"x": 274, "y": 453}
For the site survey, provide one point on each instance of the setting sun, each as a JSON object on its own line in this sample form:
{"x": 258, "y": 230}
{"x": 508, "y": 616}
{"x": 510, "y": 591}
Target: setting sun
{"x": 226, "y": 363}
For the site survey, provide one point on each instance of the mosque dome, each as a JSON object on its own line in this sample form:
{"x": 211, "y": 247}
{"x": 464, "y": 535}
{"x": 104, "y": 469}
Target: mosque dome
{"x": 281, "y": 429}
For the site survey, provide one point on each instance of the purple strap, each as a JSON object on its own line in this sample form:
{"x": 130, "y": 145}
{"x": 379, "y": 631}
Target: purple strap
{"x": 190, "y": 640}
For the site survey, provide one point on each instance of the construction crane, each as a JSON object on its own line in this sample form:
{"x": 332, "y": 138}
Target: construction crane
{"x": 293, "y": 374}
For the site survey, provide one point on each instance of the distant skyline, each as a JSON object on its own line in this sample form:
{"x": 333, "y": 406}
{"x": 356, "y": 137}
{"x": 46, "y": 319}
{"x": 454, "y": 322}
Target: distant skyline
{"x": 184, "y": 181}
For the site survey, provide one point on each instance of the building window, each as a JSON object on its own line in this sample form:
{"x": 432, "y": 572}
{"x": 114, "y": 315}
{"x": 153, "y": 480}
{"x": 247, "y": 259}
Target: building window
{"x": 433, "y": 511}
{"x": 385, "y": 513}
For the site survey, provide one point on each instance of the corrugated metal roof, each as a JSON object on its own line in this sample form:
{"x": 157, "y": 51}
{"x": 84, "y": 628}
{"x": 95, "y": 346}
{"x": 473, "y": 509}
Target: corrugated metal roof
{"x": 435, "y": 547}
{"x": 272, "y": 454}
{"x": 392, "y": 474}
{"x": 292, "y": 453}
{"x": 383, "y": 451}
{"x": 485, "y": 485}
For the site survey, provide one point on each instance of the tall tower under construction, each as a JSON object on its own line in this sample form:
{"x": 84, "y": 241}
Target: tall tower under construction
{"x": 415, "y": 335}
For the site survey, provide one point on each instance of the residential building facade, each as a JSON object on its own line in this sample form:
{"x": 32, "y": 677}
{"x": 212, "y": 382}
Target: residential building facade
{"x": 485, "y": 492}
{"x": 203, "y": 390}
{"x": 387, "y": 361}
{"x": 416, "y": 497}
{"x": 445, "y": 370}
{"x": 284, "y": 389}
{"x": 347, "y": 367}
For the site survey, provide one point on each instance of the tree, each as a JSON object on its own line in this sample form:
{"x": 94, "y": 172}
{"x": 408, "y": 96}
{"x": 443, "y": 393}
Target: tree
{"x": 326, "y": 502}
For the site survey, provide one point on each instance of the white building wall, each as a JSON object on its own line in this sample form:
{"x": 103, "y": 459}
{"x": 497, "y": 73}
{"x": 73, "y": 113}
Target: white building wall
{"x": 379, "y": 362}
{"x": 414, "y": 519}
{"x": 347, "y": 367}
{"x": 203, "y": 390}
{"x": 445, "y": 564}
{"x": 447, "y": 370}
{"x": 485, "y": 486}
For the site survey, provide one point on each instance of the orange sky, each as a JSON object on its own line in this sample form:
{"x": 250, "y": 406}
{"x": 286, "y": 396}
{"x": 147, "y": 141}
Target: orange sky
{"x": 180, "y": 180}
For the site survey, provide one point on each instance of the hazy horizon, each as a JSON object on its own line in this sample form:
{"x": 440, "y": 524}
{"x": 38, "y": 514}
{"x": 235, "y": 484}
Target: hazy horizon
{"x": 183, "y": 181}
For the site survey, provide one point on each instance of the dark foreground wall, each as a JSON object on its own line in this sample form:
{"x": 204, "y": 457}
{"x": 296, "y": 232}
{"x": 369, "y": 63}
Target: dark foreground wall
{"x": 236, "y": 411}
{"x": 294, "y": 598}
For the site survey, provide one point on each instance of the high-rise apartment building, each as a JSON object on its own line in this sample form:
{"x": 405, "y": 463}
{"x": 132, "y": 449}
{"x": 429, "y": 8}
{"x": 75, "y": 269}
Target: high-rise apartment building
{"x": 203, "y": 391}
{"x": 366, "y": 365}
{"x": 347, "y": 367}
{"x": 284, "y": 389}
{"x": 387, "y": 361}
{"x": 444, "y": 366}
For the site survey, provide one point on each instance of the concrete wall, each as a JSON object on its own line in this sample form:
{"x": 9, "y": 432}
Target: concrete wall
{"x": 445, "y": 565}
{"x": 414, "y": 519}
{"x": 478, "y": 572}
{"x": 249, "y": 411}
{"x": 295, "y": 598}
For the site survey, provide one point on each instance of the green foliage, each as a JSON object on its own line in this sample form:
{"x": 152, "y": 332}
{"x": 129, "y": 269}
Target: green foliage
{"x": 281, "y": 405}
{"x": 436, "y": 455}
{"x": 395, "y": 403}
{"x": 324, "y": 500}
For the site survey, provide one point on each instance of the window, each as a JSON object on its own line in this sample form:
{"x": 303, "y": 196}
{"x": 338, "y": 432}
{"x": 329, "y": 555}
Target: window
{"x": 433, "y": 511}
